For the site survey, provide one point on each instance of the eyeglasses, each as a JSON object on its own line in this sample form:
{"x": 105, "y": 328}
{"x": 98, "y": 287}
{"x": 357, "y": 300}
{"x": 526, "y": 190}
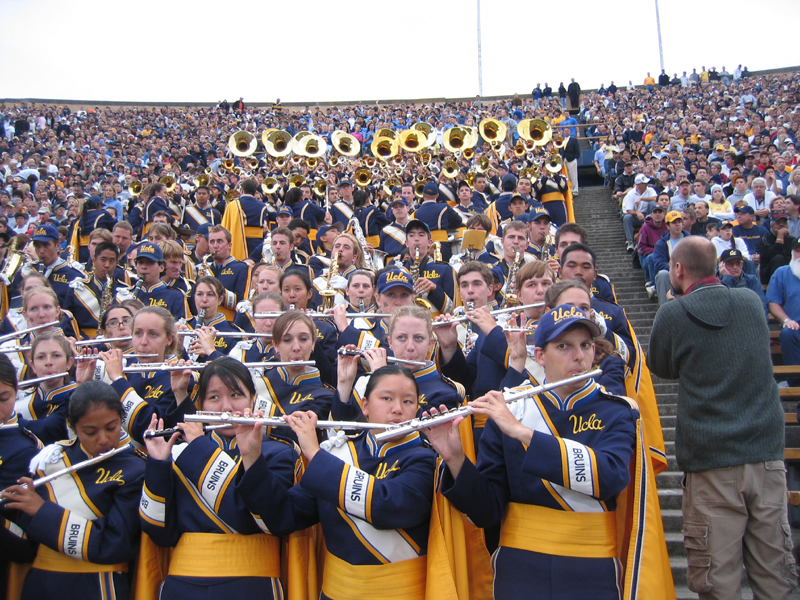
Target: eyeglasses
{"x": 115, "y": 323}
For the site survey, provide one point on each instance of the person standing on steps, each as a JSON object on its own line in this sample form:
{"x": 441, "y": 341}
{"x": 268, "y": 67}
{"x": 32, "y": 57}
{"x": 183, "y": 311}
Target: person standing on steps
{"x": 729, "y": 438}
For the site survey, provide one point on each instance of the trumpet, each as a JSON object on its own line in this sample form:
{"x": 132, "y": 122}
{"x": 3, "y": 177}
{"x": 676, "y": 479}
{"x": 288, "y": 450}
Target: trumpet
{"x": 391, "y": 359}
{"x": 147, "y": 367}
{"x": 498, "y": 311}
{"x": 229, "y": 419}
{"x": 22, "y": 332}
{"x": 403, "y": 429}
{"x": 38, "y": 380}
{"x": 76, "y": 467}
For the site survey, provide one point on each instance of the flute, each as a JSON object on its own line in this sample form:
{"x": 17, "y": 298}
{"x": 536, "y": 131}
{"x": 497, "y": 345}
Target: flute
{"x": 391, "y": 359}
{"x": 71, "y": 469}
{"x": 403, "y": 429}
{"x": 499, "y": 311}
{"x": 145, "y": 367}
{"x": 228, "y": 418}
{"x": 9, "y": 426}
{"x": 97, "y": 356}
{"x": 38, "y": 380}
{"x": 22, "y": 332}
{"x": 240, "y": 334}
{"x": 165, "y": 433}
{"x": 321, "y": 315}
{"x": 125, "y": 338}
{"x": 15, "y": 349}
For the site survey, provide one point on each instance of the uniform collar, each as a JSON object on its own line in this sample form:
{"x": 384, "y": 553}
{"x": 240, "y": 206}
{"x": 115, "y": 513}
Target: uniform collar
{"x": 581, "y": 396}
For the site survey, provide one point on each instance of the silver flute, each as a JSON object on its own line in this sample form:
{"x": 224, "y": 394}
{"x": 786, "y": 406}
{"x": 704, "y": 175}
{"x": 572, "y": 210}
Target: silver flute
{"x": 13, "y": 349}
{"x": 321, "y": 315}
{"x": 229, "y": 419}
{"x": 391, "y": 359}
{"x": 240, "y": 334}
{"x": 9, "y": 426}
{"x": 71, "y": 469}
{"x": 403, "y": 429}
{"x": 97, "y": 356}
{"x": 146, "y": 367}
{"x": 22, "y": 332}
{"x": 499, "y": 311}
{"x": 38, "y": 380}
{"x": 165, "y": 433}
{"x": 125, "y": 338}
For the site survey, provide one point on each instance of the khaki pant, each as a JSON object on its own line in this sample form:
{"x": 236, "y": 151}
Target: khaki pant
{"x": 737, "y": 516}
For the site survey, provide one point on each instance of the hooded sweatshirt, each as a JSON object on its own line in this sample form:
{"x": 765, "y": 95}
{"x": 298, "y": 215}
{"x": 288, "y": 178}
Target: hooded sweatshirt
{"x": 649, "y": 234}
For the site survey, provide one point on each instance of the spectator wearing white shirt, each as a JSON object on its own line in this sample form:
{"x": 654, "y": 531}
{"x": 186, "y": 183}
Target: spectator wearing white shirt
{"x": 760, "y": 198}
{"x": 636, "y": 206}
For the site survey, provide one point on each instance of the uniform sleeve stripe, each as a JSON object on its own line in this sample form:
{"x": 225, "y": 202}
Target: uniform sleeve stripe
{"x": 595, "y": 478}
{"x": 579, "y": 463}
{"x": 370, "y": 489}
{"x": 75, "y": 534}
{"x": 152, "y": 508}
{"x": 564, "y": 461}
{"x": 343, "y": 485}
{"x": 355, "y": 493}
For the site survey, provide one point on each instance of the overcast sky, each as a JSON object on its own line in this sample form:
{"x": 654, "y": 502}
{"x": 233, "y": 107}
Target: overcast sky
{"x": 204, "y": 51}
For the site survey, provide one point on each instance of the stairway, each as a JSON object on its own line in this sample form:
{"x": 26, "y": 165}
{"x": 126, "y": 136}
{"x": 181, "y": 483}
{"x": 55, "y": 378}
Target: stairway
{"x": 596, "y": 212}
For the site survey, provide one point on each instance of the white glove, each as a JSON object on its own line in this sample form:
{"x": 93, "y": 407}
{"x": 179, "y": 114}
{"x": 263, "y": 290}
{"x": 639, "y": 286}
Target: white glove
{"x": 601, "y": 323}
{"x": 245, "y": 306}
{"x": 336, "y": 439}
{"x": 49, "y": 455}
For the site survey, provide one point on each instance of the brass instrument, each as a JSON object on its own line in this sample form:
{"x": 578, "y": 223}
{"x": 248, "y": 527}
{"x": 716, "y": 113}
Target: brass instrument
{"x": 169, "y": 181}
{"x": 387, "y": 133}
{"x": 242, "y": 143}
{"x": 559, "y": 141}
{"x": 320, "y": 188}
{"x": 252, "y": 163}
{"x": 483, "y": 164}
{"x": 469, "y": 153}
{"x": 202, "y": 267}
{"x": 328, "y": 294}
{"x": 456, "y": 139}
{"x": 544, "y": 254}
{"x": 419, "y": 300}
{"x": 519, "y": 149}
{"x": 553, "y": 163}
{"x": 270, "y": 185}
{"x": 413, "y": 140}
{"x": 362, "y": 177}
{"x": 278, "y": 143}
{"x": 425, "y": 159}
{"x": 204, "y": 179}
{"x": 493, "y": 131}
{"x": 345, "y": 144}
{"x": 391, "y": 183}
{"x": 451, "y": 169}
{"x": 510, "y": 298}
{"x": 311, "y": 146}
{"x": 535, "y": 130}
{"x": 427, "y": 128}
{"x": 437, "y": 251}
{"x": 355, "y": 227}
{"x": 135, "y": 188}
{"x": 384, "y": 148}
{"x": 107, "y": 297}
{"x": 14, "y": 261}
{"x": 228, "y": 164}
{"x": 419, "y": 186}
{"x": 296, "y": 180}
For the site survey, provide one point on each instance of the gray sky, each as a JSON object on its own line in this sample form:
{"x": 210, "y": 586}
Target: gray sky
{"x": 161, "y": 50}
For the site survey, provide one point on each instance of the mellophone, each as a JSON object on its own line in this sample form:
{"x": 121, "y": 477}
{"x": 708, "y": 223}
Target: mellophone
{"x": 389, "y": 431}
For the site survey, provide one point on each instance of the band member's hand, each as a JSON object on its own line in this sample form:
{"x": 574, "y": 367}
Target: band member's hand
{"x": 113, "y": 360}
{"x": 376, "y": 358}
{"x": 447, "y": 335}
{"x": 424, "y": 286}
{"x": 517, "y": 344}
{"x": 191, "y": 431}
{"x": 446, "y": 440}
{"x": 494, "y": 406}
{"x": 483, "y": 319}
{"x": 206, "y": 336}
{"x": 346, "y": 370}
{"x": 249, "y": 439}
{"x": 84, "y": 369}
{"x": 20, "y": 497}
{"x": 554, "y": 264}
{"x": 304, "y": 425}
{"x": 179, "y": 382}
{"x": 339, "y": 313}
{"x": 158, "y": 448}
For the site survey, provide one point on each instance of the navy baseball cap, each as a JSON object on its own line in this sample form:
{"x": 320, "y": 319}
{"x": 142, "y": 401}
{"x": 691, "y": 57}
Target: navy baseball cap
{"x": 730, "y": 254}
{"x": 430, "y": 189}
{"x": 45, "y": 233}
{"x": 202, "y": 231}
{"x": 538, "y": 213}
{"x": 746, "y": 209}
{"x": 394, "y": 278}
{"x": 417, "y": 224}
{"x": 150, "y": 251}
{"x": 555, "y": 322}
{"x": 285, "y": 210}
{"x": 344, "y": 182}
{"x": 326, "y": 228}
{"x": 400, "y": 200}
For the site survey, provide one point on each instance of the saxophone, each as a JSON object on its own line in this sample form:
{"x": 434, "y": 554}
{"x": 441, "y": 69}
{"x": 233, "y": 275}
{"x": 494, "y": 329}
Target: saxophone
{"x": 355, "y": 227}
{"x": 418, "y": 300}
{"x": 328, "y": 294}
{"x": 510, "y": 297}
{"x": 107, "y": 297}
{"x": 544, "y": 254}
{"x": 202, "y": 267}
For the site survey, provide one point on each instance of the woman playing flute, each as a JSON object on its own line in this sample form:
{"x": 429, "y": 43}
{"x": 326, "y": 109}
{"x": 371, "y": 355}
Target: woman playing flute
{"x": 192, "y": 497}
{"x": 210, "y": 342}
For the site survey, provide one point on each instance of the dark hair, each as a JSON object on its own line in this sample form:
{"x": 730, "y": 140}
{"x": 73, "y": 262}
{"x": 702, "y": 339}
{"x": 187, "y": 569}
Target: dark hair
{"x": 104, "y": 319}
{"x": 395, "y": 369}
{"x": 293, "y": 196}
{"x": 553, "y": 293}
{"x": 102, "y": 246}
{"x": 299, "y": 224}
{"x": 8, "y": 374}
{"x": 572, "y": 228}
{"x": 296, "y": 273}
{"x": 90, "y": 395}
{"x": 233, "y": 374}
{"x": 214, "y": 283}
{"x": 475, "y": 266}
{"x": 249, "y": 187}
{"x": 578, "y": 248}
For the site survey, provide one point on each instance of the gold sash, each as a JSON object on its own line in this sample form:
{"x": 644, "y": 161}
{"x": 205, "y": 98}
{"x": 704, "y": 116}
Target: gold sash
{"x": 404, "y": 580}
{"x": 226, "y": 555}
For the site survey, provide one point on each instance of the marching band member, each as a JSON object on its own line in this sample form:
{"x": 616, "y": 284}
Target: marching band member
{"x": 45, "y": 259}
{"x": 234, "y": 275}
{"x": 393, "y": 236}
{"x": 210, "y": 342}
{"x": 39, "y": 307}
{"x": 198, "y": 494}
{"x": 306, "y": 209}
{"x": 342, "y": 210}
{"x": 116, "y": 323}
{"x": 373, "y": 500}
{"x": 148, "y": 392}
{"x": 18, "y": 443}
{"x": 82, "y": 520}
{"x": 410, "y": 338}
{"x": 436, "y": 281}
{"x": 43, "y": 410}
{"x": 201, "y": 212}
{"x": 259, "y": 349}
{"x": 572, "y": 233}
{"x": 350, "y": 257}
{"x": 551, "y": 190}
{"x": 149, "y": 264}
{"x": 246, "y": 216}
{"x": 90, "y": 297}
{"x": 551, "y": 480}
{"x": 515, "y": 240}
{"x": 326, "y": 235}
{"x": 264, "y": 278}
{"x": 539, "y": 228}
{"x": 158, "y": 201}
{"x": 93, "y": 216}
{"x": 174, "y": 265}
{"x": 14, "y": 321}
{"x": 290, "y": 389}
{"x": 438, "y": 218}
{"x": 283, "y": 254}
{"x": 360, "y": 291}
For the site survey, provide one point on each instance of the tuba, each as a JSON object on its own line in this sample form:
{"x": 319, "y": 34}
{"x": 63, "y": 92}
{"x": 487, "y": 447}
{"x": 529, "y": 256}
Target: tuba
{"x": 553, "y": 163}
{"x": 242, "y": 143}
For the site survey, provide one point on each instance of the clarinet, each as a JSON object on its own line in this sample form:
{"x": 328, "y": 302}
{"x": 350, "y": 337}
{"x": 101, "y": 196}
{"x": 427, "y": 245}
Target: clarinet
{"x": 468, "y": 326}
{"x": 137, "y": 288}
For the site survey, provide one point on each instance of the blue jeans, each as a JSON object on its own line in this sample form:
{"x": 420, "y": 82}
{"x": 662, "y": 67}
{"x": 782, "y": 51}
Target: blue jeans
{"x": 629, "y": 223}
{"x": 790, "y": 349}
{"x": 647, "y": 266}
{"x": 563, "y": 102}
